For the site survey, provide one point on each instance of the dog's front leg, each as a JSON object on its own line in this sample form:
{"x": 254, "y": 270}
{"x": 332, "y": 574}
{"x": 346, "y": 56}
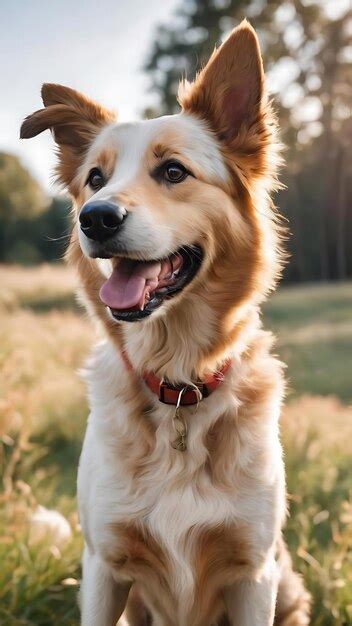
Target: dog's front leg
{"x": 251, "y": 601}
{"x": 102, "y": 599}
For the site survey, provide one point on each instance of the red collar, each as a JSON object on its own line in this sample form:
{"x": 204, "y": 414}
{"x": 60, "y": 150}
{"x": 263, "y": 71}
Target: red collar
{"x": 182, "y": 394}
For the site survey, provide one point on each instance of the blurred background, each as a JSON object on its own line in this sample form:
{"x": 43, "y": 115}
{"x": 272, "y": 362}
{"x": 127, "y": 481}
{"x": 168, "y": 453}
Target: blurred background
{"x": 130, "y": 56}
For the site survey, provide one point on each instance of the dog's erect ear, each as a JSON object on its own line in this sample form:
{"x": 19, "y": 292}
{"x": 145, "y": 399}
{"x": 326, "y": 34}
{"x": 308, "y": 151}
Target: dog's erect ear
{"x": 228, "y": 91}
{"x": 74, "y": 121}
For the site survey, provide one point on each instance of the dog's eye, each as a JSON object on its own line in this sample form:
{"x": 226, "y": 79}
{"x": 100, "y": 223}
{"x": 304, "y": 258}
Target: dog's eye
{"x": 95, "y": 179}
{"x": 175, "y": 172}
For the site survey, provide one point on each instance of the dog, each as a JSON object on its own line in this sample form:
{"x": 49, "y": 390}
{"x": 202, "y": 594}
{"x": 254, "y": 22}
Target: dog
{"x": 176, "y": 243}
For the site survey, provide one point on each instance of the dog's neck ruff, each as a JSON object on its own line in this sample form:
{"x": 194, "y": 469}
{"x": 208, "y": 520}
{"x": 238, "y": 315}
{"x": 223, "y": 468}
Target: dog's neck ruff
{"x": 182, "y": 394}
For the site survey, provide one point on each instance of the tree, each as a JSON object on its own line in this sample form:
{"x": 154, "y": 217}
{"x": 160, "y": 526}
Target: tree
{"x": 33, "y": 226}
{"x": 20, "y": 194}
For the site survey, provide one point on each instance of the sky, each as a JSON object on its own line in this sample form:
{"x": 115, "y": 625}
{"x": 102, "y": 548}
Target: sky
{"x": 96, "y": 47}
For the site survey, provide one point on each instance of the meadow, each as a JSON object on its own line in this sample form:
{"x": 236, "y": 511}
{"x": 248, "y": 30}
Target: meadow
{"x": 44, "y": 338}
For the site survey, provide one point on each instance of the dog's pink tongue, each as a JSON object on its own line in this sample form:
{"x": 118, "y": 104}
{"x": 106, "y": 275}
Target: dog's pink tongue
{"x": 130, "y": 284}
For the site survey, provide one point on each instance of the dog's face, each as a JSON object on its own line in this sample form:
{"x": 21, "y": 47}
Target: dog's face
{"x": 169, "y": 203}
{"x": 152, "y": 195}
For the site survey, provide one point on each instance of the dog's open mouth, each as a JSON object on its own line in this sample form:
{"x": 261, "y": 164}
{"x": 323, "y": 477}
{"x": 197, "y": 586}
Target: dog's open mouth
{"x": 137, "y": 288}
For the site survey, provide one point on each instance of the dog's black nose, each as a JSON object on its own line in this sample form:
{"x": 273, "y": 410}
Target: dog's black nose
{"x": 100, "y": 220}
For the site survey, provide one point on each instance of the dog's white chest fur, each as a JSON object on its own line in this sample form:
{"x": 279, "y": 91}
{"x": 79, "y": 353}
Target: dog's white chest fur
{"x": 175, "y": 496}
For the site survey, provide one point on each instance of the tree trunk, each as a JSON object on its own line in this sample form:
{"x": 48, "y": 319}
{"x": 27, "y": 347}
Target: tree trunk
{"x": 341, "y": 219}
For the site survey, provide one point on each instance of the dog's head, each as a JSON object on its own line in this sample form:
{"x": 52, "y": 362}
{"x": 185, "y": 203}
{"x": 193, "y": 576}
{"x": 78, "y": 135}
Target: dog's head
{"x": 177, "y": 206}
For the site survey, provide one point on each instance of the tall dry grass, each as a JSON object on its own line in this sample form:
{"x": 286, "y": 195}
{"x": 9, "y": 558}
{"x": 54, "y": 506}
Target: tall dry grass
{"x": 43, "y": 287}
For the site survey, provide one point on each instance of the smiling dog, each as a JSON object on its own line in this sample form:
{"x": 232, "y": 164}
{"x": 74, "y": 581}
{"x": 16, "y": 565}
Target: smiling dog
{"x": 181, "y": 482}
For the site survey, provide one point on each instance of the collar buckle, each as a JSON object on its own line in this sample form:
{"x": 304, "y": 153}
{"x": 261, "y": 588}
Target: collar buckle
{"x": 182, "y": 396}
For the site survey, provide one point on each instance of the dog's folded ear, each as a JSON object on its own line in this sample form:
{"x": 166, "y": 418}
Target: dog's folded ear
{"x": 72, "y": 118}
{"x": 74, "y": 121}
{"x": 228, "y": 92}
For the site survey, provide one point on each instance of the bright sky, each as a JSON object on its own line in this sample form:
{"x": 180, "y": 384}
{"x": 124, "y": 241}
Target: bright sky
{"x": 95, "y": 47}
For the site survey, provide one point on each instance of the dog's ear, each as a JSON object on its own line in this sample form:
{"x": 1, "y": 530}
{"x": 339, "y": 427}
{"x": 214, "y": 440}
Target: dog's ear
{"x": 228, "y": 92}
{"x": 74, "y": 121}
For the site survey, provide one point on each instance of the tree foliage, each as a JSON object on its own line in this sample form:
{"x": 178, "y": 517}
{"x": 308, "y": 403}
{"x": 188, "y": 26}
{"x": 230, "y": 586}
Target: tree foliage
{"x": 32, "y": 225}
{"x": 20, "y": 195}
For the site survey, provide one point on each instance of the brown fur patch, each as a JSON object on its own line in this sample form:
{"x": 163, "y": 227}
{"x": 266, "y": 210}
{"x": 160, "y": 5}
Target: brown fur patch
{"x": 228, "y": 91}
{"x": 139, "y": 554}
{"x": 106, "y": 160}
{"x": 222, "y": 557}
{"x": 264, "y": 375}
{"x": 141, "y": 557}
{"x": 293, "y": 601}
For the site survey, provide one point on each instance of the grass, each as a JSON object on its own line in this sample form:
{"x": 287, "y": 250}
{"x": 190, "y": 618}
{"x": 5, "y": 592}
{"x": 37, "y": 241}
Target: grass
{"x": 44, "y": 338}
{"x": 314, "y": 327}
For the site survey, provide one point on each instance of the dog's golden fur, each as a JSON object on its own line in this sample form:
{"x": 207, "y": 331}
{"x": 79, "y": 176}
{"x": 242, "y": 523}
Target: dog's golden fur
{"x": 195, "y": 532}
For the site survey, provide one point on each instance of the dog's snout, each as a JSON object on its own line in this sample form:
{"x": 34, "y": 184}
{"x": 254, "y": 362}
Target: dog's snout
{"x": 100, "y": 220}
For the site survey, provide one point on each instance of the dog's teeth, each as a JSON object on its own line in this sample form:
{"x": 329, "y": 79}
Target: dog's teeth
{"x": 146, "y": 300}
